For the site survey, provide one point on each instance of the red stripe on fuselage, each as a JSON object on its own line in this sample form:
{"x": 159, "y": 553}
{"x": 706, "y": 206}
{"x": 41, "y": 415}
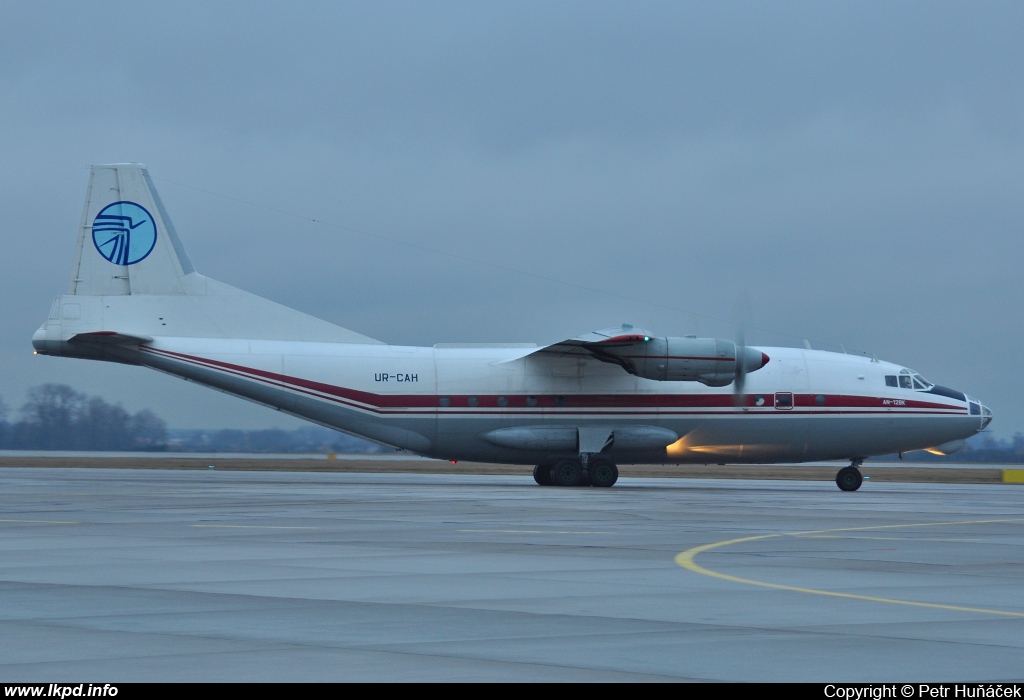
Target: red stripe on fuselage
{"x": 677, "y": 357}
{"x": 567, "y": 403}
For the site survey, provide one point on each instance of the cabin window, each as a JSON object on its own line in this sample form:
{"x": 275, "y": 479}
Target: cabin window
{"x": 784, "y": 401}
{"x": 502, "y": 401}
{"x": 560, "y": 400}
{"x": 820, "y": 399}
{"x": 473, "y": 401}
{"x": 531, "y": 400}
{"x": 445, "y": 401}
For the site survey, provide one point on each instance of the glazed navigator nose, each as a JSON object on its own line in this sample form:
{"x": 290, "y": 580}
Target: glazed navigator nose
{"x": 986, "y": 417}
{"x": 983, "y": 412}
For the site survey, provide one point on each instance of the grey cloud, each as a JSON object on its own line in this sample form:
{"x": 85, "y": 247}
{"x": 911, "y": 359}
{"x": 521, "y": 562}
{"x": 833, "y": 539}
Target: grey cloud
{"x": 855, "y": 167}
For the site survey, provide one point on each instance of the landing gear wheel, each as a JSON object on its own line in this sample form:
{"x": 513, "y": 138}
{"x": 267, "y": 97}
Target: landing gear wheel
{"x": 849, "y": 479}
{"x": 603, "y": 472}
{"x": 567, "y": 472}
{"x": 542, "y": 474}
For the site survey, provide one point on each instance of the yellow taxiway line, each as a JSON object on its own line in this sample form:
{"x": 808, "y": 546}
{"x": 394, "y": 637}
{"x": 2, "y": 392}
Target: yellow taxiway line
{"x": 687, "y": 560}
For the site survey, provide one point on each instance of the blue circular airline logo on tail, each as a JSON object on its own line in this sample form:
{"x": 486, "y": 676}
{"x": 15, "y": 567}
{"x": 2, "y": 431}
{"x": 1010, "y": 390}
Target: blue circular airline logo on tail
{"x": 124, "y": 233}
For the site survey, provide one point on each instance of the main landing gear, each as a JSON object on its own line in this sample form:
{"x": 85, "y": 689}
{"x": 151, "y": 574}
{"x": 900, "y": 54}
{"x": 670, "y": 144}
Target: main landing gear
{"x": 849, "y": 478}
{"x": 599, "y": 471}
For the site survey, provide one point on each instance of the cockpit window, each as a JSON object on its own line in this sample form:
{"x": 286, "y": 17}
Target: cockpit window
{"x": 908, "y": 380}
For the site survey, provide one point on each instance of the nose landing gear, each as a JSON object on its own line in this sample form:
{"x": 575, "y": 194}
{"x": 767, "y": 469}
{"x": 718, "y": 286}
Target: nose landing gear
{"x": 849, "y": 478}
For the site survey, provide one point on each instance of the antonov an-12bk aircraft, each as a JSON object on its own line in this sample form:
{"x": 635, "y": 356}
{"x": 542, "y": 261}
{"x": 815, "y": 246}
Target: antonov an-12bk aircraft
{"x": 574, "y": 408}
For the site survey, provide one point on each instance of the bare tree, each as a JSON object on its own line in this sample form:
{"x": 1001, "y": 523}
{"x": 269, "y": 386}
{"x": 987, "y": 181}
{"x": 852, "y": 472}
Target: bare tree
{"x": 56, "y": 417}
{"x": 103, "y": 426}
{"x": 5, "y": 430}
{"x": 148, "y": 431}
{"x": 50, "y": 416}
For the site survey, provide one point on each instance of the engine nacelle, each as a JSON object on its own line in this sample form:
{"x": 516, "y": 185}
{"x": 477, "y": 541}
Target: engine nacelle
{"x": 706, "y": 360}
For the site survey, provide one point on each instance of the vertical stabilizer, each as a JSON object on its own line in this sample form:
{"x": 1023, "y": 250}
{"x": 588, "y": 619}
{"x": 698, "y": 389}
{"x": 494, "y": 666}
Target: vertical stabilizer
{"x": 132, "y": 277}
{"x": 126, "y": 243}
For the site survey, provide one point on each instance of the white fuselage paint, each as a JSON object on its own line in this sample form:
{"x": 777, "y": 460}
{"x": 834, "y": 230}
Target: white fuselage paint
{"x": 148, "y": 305}
{"x": 439, "y": 401}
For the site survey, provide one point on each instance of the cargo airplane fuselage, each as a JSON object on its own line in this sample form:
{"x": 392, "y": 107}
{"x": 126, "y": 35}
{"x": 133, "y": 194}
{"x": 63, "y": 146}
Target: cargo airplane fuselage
{"x": 575, "y": 408}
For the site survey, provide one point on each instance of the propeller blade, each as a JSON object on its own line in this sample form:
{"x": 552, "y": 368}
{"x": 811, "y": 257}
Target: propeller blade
{"x": 740, "y": 318}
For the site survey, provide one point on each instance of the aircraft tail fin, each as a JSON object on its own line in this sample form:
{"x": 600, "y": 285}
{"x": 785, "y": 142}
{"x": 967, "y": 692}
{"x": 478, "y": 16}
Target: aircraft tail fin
{"x": 127, "y": 243}
{"x": 133, "y": 279}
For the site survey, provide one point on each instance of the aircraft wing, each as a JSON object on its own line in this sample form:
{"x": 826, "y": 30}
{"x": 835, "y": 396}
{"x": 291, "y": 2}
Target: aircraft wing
{"x": 595, "y": 343}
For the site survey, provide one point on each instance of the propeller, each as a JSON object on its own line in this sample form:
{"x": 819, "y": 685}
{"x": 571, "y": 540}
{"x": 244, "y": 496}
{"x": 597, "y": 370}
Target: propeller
{"x": 740, "y": 316}
{"x": 747, "y": 359}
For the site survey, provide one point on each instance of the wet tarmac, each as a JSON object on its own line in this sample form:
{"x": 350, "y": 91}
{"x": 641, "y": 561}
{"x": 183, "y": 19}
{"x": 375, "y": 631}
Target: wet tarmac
{"x": 125, "y": 575}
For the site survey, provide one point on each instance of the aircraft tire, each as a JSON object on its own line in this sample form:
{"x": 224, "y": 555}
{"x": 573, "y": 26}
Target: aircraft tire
{"x": 603, "y": 473}
{"x": 849, "y": 479}
{"x": 542, "y": 474}
{"x": 567, "y": 472}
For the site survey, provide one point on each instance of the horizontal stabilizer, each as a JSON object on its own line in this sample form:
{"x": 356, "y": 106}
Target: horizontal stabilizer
{"x": 110, "y": 338}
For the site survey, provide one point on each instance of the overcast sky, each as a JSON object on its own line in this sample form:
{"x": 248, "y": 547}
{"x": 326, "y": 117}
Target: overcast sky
{"x": 855, "y": 169}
